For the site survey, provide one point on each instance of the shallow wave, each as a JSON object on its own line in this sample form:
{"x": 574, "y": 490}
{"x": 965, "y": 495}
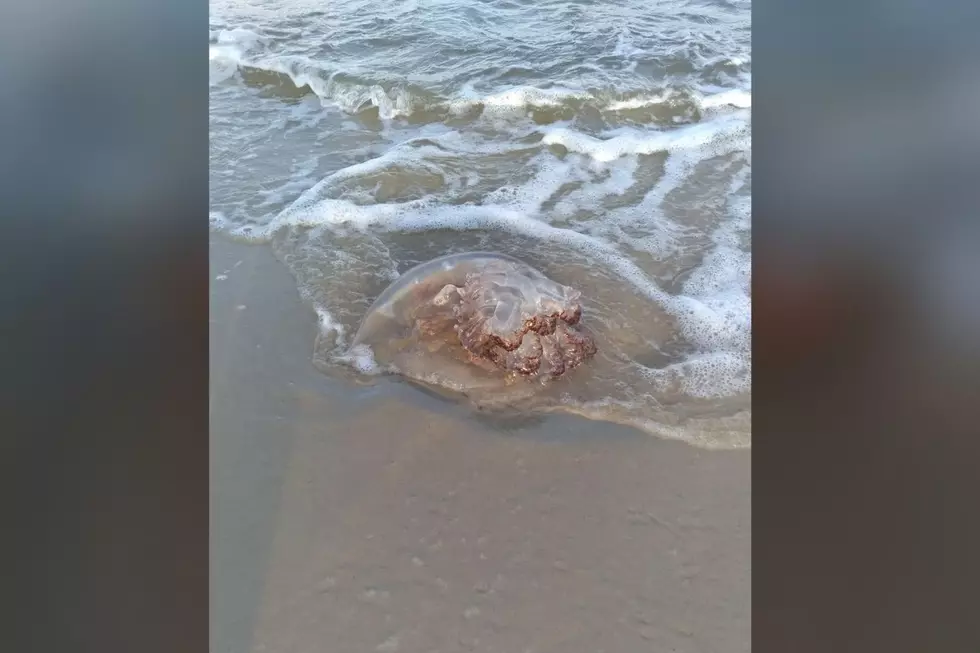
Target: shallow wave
{"x": 630, "y": 141}
{"x": 347, "y": 92}
{"x": 245, "y": 53}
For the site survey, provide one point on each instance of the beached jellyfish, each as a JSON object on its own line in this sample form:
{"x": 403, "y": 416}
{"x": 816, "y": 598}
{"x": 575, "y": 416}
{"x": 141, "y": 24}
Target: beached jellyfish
{"x": 474, "y": 320}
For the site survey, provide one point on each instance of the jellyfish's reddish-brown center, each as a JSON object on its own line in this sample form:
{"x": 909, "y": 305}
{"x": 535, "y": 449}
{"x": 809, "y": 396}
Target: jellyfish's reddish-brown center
{"x": 546, "y": 342}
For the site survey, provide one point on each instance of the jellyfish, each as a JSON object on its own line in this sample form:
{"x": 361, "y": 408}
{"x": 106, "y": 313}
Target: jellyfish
{"x": 477, "y": 319}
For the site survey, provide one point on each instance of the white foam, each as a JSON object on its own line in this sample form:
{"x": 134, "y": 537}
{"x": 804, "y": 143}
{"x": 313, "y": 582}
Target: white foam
{"x": 706, "y": 376}
{"x": 217, "y": 221}
{"x": 686, "y": 147}
{"x": 399, "y": 103}
{"x": 640, "y": 102}
{"x": 361, "y": 358}
{"x": 714, "y": 313}
{"x": 708, "y": 98}
{"x": 718, "y": 322}
{"x": 222, "y": 64}
{"x": 514, "y": 99}
{"x": 239, "y": 37}
{"x": 329, "y": 325}
{"x": 626, "y": 141}
{"x": 529, "y": 197}
{"x": 620, "y": 178}
{"x": 228, "y": 53}
{"x": 733, "y": 97}
{"x": 405, "y": 156}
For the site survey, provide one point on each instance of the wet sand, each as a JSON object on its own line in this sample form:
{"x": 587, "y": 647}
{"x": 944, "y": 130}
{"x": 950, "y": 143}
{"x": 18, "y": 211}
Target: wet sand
{"x": 380, "y": 518}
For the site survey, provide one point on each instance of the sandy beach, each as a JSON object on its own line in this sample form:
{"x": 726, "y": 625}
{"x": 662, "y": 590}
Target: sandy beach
{"x": 352, "y": 518}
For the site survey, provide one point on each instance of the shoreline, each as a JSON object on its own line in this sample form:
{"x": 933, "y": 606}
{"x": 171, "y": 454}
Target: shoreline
{"x": 379, "y": 517}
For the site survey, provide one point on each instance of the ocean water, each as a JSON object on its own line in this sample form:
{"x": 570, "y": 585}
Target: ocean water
{"x": 606, "y": 143}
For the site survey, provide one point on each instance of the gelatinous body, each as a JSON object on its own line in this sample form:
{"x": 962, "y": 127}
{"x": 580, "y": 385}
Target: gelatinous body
{"x": 488, "y": 311}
